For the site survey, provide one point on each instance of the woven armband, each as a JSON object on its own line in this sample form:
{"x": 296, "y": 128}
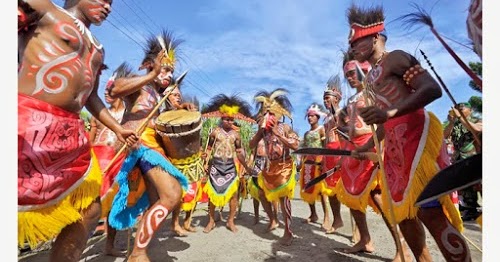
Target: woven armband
{"x": 412, "y": 72}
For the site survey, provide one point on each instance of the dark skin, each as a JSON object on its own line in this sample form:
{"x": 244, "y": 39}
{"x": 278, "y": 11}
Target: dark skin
{"x": 140, "y": 95}
{"x": 70, "y": 92}
{"x": 227, "y": 126}
{"x": 289, "y": 142}
{"x": 402, "y": 99}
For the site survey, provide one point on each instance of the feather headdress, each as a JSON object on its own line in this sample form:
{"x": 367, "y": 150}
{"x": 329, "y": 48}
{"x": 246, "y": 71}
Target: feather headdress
{"x": 316, "y": 109}
{"x": 275, "y": 102}
{"x": 164, "y": 42}
{"x": 228, "y": 106}
{"x": 423, "y": 18}
{"x": 123, "y": 70}
{"x": 364, "y": 22}
{"x": 333, "y": 87}
{"x": 350, "y": 63}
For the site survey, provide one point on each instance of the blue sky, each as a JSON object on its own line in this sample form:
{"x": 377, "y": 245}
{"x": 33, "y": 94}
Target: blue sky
{"x": 246, "y": 46}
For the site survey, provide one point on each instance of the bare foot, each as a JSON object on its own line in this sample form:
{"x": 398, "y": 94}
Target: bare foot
{"x": 255, "y": 220}
{"x": 142, "y": 257}
{"x": 179, "y": 231}
{"x": 286, "y": 240}
{"x": 311, "y": 219}
{"x": 232, "y": 227}
{"x": 361, "y": 247}
{"x": 272, "y": 226}
{"x": 336, "y": 225}
{"x": 326, "y": 224}
{"x": 189, "y": 228}
{"x": 209, "y": 227}
{"x": 114, "y": 252}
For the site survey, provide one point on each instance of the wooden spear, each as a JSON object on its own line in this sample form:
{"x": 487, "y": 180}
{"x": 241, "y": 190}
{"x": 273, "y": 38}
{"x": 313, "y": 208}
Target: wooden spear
{"x": 385, "y": 186}
{"x": 443, "y": 85}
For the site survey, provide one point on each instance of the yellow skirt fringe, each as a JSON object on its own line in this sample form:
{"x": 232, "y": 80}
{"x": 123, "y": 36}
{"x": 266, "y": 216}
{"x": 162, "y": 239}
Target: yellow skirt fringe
{"x": 358, "y": 202}
{"x": 221, "y": 200}
{"x": 426, "y": 169}
{"x": 285, "y": 190}
{"x": 45, "y": 224}
{"x": 253, "y": 190}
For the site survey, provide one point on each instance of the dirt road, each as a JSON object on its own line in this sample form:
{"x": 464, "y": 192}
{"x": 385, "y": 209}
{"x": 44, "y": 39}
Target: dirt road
{"x": 252, "y": 243}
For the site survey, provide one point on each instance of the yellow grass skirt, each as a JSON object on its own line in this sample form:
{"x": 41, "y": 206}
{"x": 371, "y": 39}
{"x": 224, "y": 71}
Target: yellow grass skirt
{"x": 285, "y": 190}
{"x": 45, "y": 224}
{"x": 425, "y": 170}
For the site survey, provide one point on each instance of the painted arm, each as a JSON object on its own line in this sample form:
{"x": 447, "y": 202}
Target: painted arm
{"x": 290, "y": 139}
{"x": 425, "y": 87}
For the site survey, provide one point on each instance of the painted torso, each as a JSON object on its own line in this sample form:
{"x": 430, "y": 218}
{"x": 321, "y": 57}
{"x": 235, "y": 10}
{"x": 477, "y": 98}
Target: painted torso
{"x": 224, "y": 146}
{"x": 387, "y": 87}
{"x": 275, "y": 148}
{"x": 356, "y": 124}
{"x": 59, "y": 61}
{"x": 330, "y": 123}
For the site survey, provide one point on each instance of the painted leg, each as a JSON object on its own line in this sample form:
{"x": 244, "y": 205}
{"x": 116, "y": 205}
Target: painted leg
{"x": 149, "y": 224}
{"x": 326, "y": 212}
{"x": 168, "y": 191}
{"x": 71, "y": 242}
{"x": 365, "y": 243}
{"x": 286, "y": 210}
{"x": 337, "y": 218}
{"x": 449, "y": 240}
{"x": 233, "y": 205}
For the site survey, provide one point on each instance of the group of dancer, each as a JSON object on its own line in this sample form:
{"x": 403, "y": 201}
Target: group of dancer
{"x": 69, "y": 179}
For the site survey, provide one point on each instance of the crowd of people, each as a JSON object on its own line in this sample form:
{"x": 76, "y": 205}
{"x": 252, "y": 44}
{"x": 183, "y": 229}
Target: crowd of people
{"x": 138, "y": 164}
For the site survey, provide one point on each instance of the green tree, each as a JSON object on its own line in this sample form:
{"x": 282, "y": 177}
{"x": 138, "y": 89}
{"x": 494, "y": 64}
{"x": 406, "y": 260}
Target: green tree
{"x": 476, "y": 103}
{"x": 478, "y": 69}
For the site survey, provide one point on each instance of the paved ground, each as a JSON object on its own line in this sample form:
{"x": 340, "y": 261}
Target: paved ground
{"x": 251, "y": 243}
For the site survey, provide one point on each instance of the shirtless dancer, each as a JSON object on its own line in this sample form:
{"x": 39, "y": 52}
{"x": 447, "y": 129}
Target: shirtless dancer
{"x": 58, "y": 74}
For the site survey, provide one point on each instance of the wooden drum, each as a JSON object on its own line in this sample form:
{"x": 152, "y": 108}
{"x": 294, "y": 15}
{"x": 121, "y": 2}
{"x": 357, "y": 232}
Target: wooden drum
{"x": 180, "y": 131}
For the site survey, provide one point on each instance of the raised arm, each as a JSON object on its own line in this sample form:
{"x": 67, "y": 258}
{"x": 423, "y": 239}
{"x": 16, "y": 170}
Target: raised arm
{"x": 30, "y": 11}
{"x": 125, "y": 86}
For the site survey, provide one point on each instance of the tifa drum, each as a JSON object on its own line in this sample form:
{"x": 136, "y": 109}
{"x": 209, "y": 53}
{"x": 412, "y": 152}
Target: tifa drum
{"x": 180, "y": 131}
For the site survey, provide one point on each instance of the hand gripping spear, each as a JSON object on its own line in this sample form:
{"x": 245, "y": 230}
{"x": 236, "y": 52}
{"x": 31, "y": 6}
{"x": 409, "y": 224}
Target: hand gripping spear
{"x": 474, "y": 133}
{"x": 385, "y": 186}
{"x": 139, "y": 130}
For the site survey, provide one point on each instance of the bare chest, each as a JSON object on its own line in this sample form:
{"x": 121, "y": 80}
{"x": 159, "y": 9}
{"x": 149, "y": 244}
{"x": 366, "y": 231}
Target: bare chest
{"x": 385, "y": 89}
